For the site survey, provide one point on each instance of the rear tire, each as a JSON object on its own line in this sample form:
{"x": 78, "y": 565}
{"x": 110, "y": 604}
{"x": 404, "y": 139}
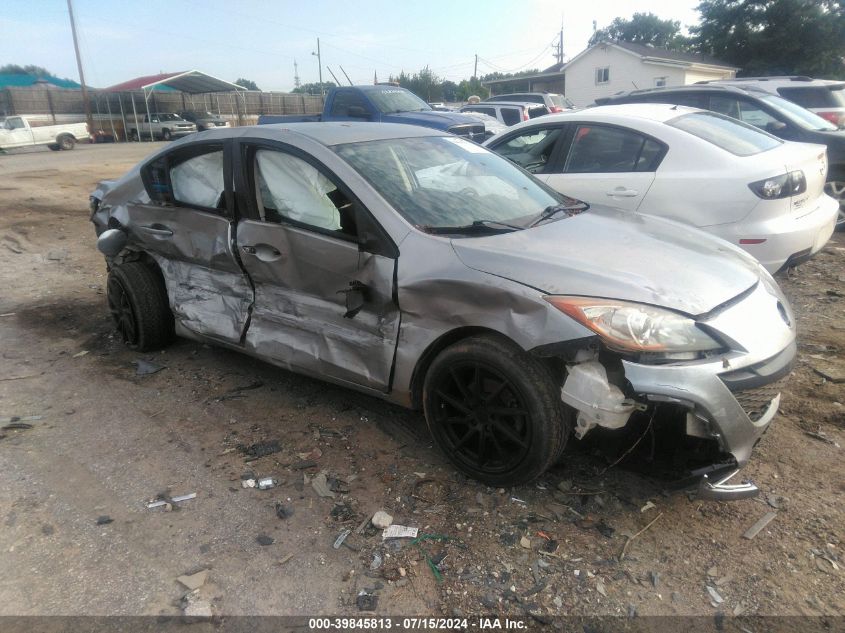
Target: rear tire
{"x": 135, "y": 136}
{"x": 66, "y": 142}
{"x": 139, "y": 306}
{"x": 835, "y": 188}
{"x": 495, "y": 411}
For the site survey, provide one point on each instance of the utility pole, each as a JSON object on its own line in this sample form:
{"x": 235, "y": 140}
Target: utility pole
{"x": 557, "y": 45}
{"x": 89, "y": 119}
{"x": 296, "y": 82}
{"x": 320, "y": 65}
{"x": 475, "y": 70}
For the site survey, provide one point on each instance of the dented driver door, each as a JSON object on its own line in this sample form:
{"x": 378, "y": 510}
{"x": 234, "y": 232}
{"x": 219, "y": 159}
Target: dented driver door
{"x": 187, "y": 228}
{"x": 324, "y": 302}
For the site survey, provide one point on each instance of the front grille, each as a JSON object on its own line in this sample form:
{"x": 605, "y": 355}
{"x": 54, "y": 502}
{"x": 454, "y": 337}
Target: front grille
{"x": 755, "y": 402}
{"x": 474, "y": 132}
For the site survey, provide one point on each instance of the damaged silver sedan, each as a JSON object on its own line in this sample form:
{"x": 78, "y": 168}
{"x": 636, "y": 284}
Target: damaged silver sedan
{"x": 423, "y": 269}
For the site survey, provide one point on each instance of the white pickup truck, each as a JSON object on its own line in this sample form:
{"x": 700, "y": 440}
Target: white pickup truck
{"x": 16, "y": 131}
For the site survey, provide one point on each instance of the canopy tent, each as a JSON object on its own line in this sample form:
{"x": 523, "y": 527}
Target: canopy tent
{"x": 189, "y": 81}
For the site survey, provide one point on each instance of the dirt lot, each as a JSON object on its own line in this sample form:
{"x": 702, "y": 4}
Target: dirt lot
{"x": 77, "y": 537}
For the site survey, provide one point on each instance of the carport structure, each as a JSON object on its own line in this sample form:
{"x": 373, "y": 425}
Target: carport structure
{"x": 192, "y": 82}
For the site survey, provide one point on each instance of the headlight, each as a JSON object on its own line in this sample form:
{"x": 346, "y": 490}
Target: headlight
{"x": 636, "y": 327}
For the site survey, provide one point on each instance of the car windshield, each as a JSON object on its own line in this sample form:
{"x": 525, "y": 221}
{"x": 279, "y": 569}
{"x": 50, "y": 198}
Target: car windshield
{"x": 448, "y": 182}
{"x": 167, "y": 116}
{"x": 798, "y": 115}
{"x": 828, "y": 96}
{"x": 397, "y": 100}
{"x": 736, "y": 137}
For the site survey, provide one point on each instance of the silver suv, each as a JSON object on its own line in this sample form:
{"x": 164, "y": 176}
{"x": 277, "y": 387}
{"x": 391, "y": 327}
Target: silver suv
{"x": 508, "y": 112}
{"x": 554, "y": 102}
{"x": 822, "y": 96}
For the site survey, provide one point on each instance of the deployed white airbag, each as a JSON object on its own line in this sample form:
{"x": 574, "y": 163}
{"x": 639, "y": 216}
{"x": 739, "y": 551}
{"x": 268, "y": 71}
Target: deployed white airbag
{"x": 199, "y": 180}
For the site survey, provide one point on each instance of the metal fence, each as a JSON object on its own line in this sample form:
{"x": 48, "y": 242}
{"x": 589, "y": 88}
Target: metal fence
{"x": 112, "y": 110}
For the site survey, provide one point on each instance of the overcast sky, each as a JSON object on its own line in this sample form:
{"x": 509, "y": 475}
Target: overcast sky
{"x": 260, "y": 40}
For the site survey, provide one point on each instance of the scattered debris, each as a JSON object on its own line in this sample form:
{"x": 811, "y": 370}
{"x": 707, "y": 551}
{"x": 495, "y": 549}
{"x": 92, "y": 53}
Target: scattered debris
{"x": 145, "y": 367}
{"x": 21, "y": 418}
{"x": 285, "y": 559}
{"x": 714, "y": 595}
{"x": 264, "y": 540}
{"x": 283, "y": 511}
{"x": 755, "y": 529}
{"x": 525, "y": 542}
{"x": 195, "y": 607}
{"x": 80, "y": 354}
{"x": 237, "y": 392}
{"x": 655, "y": 578}
{"x": 381, "y": 520}
{"x": 648, "y": 506}
{"x": 601, "y": 588}
{"x": 831, "y": 373}
{"x": 724, "y": 580}
{"x": 399, "y": 531}
{"x": 248, "y": 483}
{"x": 312, "y": 455}
{"x": 366, "y": 601}
{"x": 193, "y": 581}
{"x": 168, "y": 501}
{"x": 265, "y": 483}
{"x": 631, "y": 538}
{"x": 104, "y": 519}
{"x": 821, "y": 436}
{"x": 342, "y": 512}
{"x": 341, "y": 538}
{"x": 17, "y": 426}
{"x": 321, "y": 486}
{"x": 259, "y": 449}
{"x": 377, "y": 561}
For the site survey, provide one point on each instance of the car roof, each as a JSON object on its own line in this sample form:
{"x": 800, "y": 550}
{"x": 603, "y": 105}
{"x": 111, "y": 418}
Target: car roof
{"x": 330, "y": 133}
{"x": 754, "y": 91}
{"x": 657, "y": 112}
{"x": 495, "y": 104}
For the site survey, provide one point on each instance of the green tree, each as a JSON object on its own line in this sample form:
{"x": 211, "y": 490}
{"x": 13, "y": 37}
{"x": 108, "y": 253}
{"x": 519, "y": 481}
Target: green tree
{"x": 15, "y": 69}
{"x": 644, "y": 28}
{"x": 249, "y": 84}
{"x": 314, "y": 88}
{"x": 774, "y": 37}
{"x": 469, "y": 87}
{"x": 425, "y": 84}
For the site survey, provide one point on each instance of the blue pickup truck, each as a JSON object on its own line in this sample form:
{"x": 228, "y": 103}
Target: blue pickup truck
{"x": 388, "y": 104}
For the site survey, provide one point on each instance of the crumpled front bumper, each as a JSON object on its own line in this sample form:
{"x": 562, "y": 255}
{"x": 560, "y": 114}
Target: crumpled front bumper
{"x": 730, "y": 398}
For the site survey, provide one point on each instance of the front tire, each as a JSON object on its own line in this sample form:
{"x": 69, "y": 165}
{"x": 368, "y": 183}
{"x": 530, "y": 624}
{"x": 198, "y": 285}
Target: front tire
{"x": 139, "y": 306}
{"x": 166, "y": 135}
{"x": 495, "y": 411}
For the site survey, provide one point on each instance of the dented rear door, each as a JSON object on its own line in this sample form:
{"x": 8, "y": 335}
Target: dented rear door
{"x": 187, "y": 228}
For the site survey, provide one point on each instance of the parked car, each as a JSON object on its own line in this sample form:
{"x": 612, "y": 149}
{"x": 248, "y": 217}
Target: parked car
{"x": 421, "y": 268}
{"x": 762, "y": 109}
{"x": 554, "y": 102}
{"x": 699, "y": 167}
{"x": 163, "y": 125}
{"x": 386, "y": 103}
{"x": 822, "y": 96}
{"x": 18, "y": 131}
{"x": 508, "y": 112}
{"x": 204, "y": 120}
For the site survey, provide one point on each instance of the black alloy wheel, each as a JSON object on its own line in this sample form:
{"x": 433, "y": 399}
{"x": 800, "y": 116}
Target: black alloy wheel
{"x": 122, "y": 313}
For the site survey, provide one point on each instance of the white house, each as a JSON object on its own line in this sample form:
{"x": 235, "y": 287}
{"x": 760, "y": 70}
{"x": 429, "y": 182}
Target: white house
{"x": 610, "y": 67}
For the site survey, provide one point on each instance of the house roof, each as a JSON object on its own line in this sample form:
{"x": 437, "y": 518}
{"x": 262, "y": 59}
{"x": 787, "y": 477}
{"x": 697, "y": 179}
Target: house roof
{"x": 190, "y": 81}
{"x": 643, "y": 50}
{"x": 27, "y": 81}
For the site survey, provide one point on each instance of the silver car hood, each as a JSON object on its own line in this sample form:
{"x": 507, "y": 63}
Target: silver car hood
{"x": 619, "y": 255}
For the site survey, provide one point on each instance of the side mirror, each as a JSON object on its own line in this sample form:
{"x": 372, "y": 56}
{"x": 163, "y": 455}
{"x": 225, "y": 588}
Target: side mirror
{"x": 111, "y": 242}
{"x": 357, "y": 112}
{"x": 372, "y": 237}
{"x": 775, "y": 126}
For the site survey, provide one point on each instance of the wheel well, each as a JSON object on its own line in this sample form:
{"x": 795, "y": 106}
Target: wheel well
{"x": 836, "y": 169}
{"x": 63, "y": 135}
{"x": 431, "y": 352}
{"x": 143, "y": 257}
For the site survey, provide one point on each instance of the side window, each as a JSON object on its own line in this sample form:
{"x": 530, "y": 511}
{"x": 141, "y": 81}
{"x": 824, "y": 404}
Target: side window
{"x": 289, "y": 189}
{"x": 198, "y": 181}
{"x": 600, "y": 149}
{"x": 15, "y": 123}
{"x": 729, "y": 106}
{"x": 345, "y": 99}
{"x": 531, "y": 150}
{"x": 511, "y": 116}
{"x": 754, "y": 115}
{"x": 488, "y": 111}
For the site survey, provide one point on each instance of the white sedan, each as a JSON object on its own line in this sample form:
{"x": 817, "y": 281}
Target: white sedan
{"x": 694, "y": 166}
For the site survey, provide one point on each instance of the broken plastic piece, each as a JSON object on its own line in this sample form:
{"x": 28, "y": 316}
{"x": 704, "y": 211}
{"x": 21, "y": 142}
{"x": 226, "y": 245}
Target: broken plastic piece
{"x": 266, "y": 483}
{"x": 399, "y": 531}
{"x": 341, "y": 538}
{"x": 162, "y": 502}
{"x": 598, "y": 402}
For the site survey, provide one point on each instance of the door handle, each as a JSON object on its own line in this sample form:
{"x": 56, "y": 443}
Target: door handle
{"x": 157, "y": 229}
{"x": 621, "y": 192}
{"x": 264, "y": 252}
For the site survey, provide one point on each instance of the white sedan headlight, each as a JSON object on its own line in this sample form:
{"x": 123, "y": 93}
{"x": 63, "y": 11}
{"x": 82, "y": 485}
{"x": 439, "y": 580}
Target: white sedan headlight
{"x": 636, "y": 327}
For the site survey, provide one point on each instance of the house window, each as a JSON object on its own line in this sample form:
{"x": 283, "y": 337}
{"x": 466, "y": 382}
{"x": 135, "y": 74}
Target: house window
{"x": 603, "y": 75}
{"x": 659, "y": 82}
